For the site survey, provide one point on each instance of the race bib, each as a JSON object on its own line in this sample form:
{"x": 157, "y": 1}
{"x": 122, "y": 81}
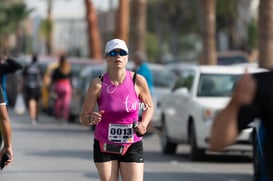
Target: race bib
{"x": 121, "y": 133}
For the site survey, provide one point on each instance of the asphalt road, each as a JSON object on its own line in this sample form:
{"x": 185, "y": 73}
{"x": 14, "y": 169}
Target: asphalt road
{"x": 52, "y": 151}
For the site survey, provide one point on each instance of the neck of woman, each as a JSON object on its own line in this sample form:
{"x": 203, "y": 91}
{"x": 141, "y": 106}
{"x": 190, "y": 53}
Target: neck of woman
{"x": 117, "y": 77}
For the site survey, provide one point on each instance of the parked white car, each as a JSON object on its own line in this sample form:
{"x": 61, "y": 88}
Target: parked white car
{"x": 197, "y": 96}
{"x": 84, "y": 78}
{"x": 163, "y": 81}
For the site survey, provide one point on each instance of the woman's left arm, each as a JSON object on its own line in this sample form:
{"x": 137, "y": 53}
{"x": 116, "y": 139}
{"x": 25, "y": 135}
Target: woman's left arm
{"x": 5, "y": 128}
{"x": 10, "y": 66}
{"x": 147, "y": 103}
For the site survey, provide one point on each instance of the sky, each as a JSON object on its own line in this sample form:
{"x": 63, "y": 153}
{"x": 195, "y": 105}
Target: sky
{"x": 67, "y": 8}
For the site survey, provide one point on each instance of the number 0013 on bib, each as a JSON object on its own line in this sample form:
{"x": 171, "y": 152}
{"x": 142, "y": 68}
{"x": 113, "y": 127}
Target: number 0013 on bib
{"x": 121, "y": 133}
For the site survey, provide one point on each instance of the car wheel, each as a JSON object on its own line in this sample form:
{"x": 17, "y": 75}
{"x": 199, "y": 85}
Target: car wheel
{"x": 195, "y": 153}
{"x": 256, "y": 167}
{"x": 167, "y": 146}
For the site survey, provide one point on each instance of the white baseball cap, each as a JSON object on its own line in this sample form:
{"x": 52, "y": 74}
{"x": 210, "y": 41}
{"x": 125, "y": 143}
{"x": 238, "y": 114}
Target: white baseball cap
{"x": 115, "y": 44}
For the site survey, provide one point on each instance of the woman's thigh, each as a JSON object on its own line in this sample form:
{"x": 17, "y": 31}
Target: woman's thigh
{"x": 108, "y": 171}
{"x": 132, "y": 171}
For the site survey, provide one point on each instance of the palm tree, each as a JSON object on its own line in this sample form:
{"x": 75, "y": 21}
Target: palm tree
{"x": 139, "y": 24}
{"x": 265, "y": 32}
{"x": 94, "y": 38}
{"x": 208, "y": 33}
{"x": 46, "y": 28}
{"x": 122, "y": 20}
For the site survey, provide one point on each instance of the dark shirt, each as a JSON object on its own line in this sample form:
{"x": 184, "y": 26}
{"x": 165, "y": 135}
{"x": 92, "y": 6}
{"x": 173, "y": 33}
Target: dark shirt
{"x": 262, "y": 108}
{"x": 8, "y": 67}
{"x": 2, "y": 100}
{"x": 32, "y": 76}
{"x": 58, "y": 75}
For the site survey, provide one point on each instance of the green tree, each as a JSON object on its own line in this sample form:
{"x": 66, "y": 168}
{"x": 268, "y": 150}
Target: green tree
{"x": 252, "y": 34}
{"x": 226, "y": 16}
{"x": 171, "y": 21}
{"x": 12, "y": 14}
{"x": 21, "y": 12}
{"x": 46, "y": 27}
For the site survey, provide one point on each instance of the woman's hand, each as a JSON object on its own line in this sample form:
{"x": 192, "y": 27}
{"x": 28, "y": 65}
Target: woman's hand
{"x": 95, "y": 117}
{"x": 9, "y": 151}
{"x": 245, "y": 90}
{"x": 141, "y": 129}
{"x": 92, "y": 119}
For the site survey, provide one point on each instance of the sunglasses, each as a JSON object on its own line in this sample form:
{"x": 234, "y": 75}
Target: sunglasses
{"x": 115, "y": 53}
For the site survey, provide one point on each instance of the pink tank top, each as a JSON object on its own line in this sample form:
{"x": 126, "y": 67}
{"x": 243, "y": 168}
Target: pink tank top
{"x": 121, "y": 107}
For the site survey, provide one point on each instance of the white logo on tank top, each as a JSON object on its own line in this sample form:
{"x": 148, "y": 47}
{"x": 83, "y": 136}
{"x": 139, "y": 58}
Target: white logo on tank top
{"x": 136, "y": 105}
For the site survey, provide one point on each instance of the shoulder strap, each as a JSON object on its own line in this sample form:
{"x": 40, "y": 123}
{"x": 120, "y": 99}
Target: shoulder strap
{"x": 101, "y": 78}
{"x": 134, "y": 77}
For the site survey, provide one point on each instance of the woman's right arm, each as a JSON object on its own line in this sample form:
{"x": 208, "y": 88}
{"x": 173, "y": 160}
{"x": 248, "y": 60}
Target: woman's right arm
{"x": 90, "y": 101}
{"x": 225, "y": 127}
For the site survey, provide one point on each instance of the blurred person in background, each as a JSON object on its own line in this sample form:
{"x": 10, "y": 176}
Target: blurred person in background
{"x": 7, "y": 66}
{"x": 117, "y": 93}
{"x": 32, "y": 83}
{"x": 5, "y": 128}
{"x": 142, "y": 68}
{"x": 61, "y": 81}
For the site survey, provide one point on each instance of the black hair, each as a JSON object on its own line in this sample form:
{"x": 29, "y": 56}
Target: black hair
{"x": 62, "y": 58}
{"x": 34, "y": 58}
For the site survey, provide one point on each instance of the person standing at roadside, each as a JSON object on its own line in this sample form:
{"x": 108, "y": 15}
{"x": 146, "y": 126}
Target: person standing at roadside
{"x": 6, "y": 130}
{"x": 118, "y": 147}
{"x": 61, "y": 80}
{"x": 142, "y": 68}
{"x": 32, "y": 88}
{"x": 7, "y": 66}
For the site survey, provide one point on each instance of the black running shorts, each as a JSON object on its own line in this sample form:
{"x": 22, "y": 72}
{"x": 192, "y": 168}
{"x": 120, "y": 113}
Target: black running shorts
{"x": 133, "y": 154}
{"x": 32, "y": 93}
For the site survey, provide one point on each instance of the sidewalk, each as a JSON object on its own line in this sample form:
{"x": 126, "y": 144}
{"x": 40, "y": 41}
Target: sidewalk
{"x": 49, "y": 151}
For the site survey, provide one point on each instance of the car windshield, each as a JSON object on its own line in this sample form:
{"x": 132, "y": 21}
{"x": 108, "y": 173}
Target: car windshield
{"x": 216, "y": 85}
{"x": 231, "y": 60}
{"x": 164, "y": 79}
